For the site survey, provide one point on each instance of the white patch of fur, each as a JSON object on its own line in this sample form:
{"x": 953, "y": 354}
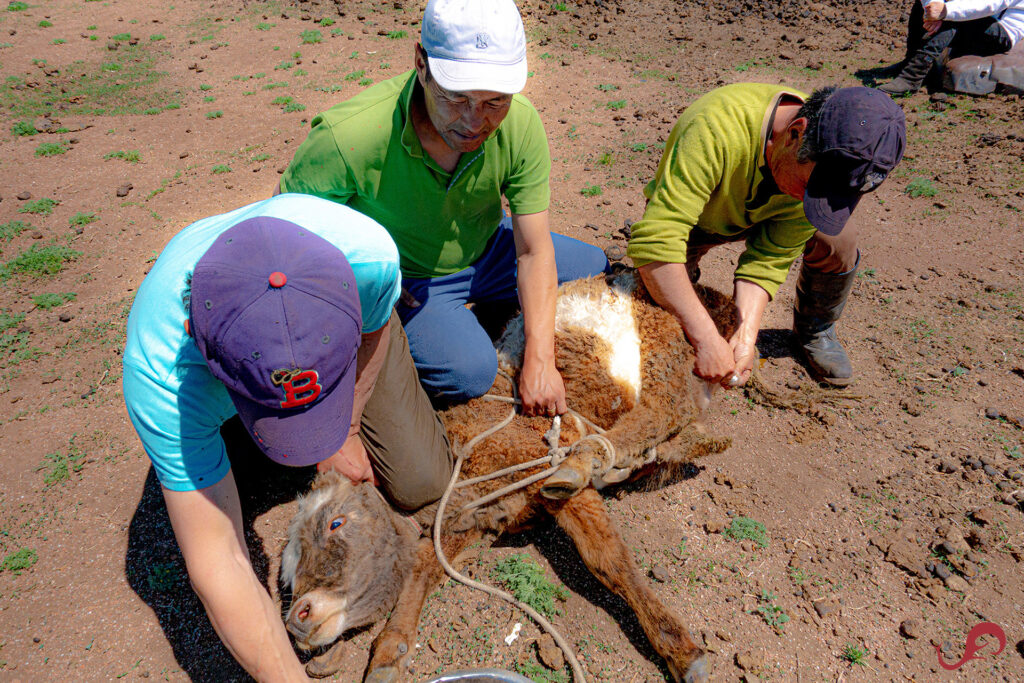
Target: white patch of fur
{"x": 308, "y": 505}
{"x": 609, "y": 317}
{"x": 607, "y": 313}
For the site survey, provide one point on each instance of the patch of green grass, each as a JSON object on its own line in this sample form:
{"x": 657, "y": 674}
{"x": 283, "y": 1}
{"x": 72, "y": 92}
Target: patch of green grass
{"x": 51, "y": 149}
{"x": 52, "y": 299}
{"x": 284, "y": 66}
{"x": 326, "y": 21}
{"x": 279, "y": 84}
{"x": 561, "y": 7}
{"x": 132, "y": 156}
{"x": 355, "y": 75}
{"x": 607, "y": 87}
{"x": 921, "y": 187}
{"x": 82, "y": 218}
{"x": 606, "y": 159}
{"x": 365, "y": 81}
{"x": 24, "y": 558}
{"x": 745, "y": 66}
{"x": 540, "y": 674}
{"x": 12, "y": 229}
{"x": 9, "y": 321}
{"x": 209, "y": 98}
{"x": 772, "y": 614}
{"x": 311, "y": 36}
{"x": 205, "y": 86}
{"x": 747, "y": 529}
{"x": 15, "y": 345}
{"x": 221, "y": 168}
{"x": 17, "y": 6}
{"x": 264, "y": 26}
{"x": 293, "y": 106}
{"x": 156, "y": 36}
{"x": 121, "y": 36}
{"x": 58, "y": 467}
{"x": 261, "y": 157}
{"x": 337, "y": 32}
{"x": 616, "y": 105}
{"x": 214, "y": 114}
{"x": 638, "y": 146}
{"x": 525, "y": 579}
{"x": 45, "y": 24}
{"x": 40, "y": 207}
{"x": 591, "y": 190}
{"x": 397, "y": 35}
{"x": 127, "y": 84}
{"x": 21, "y": 128}
{"x": 853, "y": 654}
{"x": 39, "y": 261}
{"x": 282, "y": 99}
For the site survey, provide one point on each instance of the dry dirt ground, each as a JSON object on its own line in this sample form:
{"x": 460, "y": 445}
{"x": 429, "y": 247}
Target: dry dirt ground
{"x": 889, "y": 520}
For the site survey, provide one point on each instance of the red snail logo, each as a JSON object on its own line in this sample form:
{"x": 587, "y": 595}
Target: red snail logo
{"x": 972, "y": 646}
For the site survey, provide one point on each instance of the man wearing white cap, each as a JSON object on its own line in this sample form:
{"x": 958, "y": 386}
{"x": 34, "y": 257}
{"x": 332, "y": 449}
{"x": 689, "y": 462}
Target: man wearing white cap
{"x": 429, "y": 155}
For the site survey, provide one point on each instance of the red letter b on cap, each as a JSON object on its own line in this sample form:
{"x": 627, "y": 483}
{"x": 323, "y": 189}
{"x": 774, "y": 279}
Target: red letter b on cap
{"x": 301, "y": 389}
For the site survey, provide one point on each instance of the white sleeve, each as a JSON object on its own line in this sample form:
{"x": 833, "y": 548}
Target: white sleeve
{"x": 965, "y": 10}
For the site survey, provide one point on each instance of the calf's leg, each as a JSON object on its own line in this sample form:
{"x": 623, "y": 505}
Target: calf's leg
{"x": 393, "y": 648}
{"x": 587, "y": 522}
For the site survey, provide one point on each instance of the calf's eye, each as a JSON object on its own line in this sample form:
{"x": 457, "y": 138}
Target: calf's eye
{"x": 337, "y": 522}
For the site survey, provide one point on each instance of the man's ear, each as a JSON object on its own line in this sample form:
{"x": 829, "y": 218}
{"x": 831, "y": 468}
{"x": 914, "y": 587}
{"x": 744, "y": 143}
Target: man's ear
{"x": 795, "y": 131}
{"x": 420, "y": 62}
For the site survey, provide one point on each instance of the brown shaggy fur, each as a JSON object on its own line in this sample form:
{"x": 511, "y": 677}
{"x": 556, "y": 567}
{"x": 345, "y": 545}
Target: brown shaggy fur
{"x": 665, "y": 410}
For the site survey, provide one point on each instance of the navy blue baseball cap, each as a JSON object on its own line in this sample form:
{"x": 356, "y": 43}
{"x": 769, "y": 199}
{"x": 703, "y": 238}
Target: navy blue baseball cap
{"x": 859, "y": 139}
{"x": 274, "y": 309}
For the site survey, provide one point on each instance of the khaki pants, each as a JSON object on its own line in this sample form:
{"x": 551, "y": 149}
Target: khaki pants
{"x": 823, "y": 253}
{"x": 404, "y": 437}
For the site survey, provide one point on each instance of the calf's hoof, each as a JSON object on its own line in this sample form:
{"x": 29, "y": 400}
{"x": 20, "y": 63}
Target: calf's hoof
{"x": 327, "y": 663}
{"x": 565, "y": 483}
{"x": 386, "y": 674}
{"x": 698, "y": 671}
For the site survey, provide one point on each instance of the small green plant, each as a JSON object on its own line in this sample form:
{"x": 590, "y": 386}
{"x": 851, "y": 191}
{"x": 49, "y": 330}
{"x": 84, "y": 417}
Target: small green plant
{"x": 40, "y": 207}
{"x": 282, "y": 99}
{"x": 121, "y": 36}
{"x": 52, "y": 299}
{"x": 39, "y": 261}
{"x": 772, "y": 614}
{"x": 205, "y": 86}
{"x": 591, "y": 190}
{"x": 616, "y": 105}
{"x": 209, "y": 98}
{"x": 638, "y": 146}
{"x": 854, "y": 655}
{"x": 747, "y": 529}
{"x": 132, "y": 156}
{"x": 745, "y": 66}
{"x": 22, "y": 559}
{"x": 214, "y": 114}
{"x": 221, "y": 168}
{"x": 397, "y": 35}
{"x": 45, "y": 24}
{"x": 337, "y": 32}
{"x": 365, "y": 81}
{"x": 606, "y": 159}
{"x": 284, "y": 66}
{"x": 327, "y": 21}
{"x": 58, "y": 41}
{"x": 17, "y": 6}
{"x": 156, "y": 36}
{"x": 264, "y": 26}
{"x": 261, "y": 157}
{"x": 607, "y": 87}
{"x": 293, "y": 106}
{"x": 311, "y": 36}
{"x": 164, "y": 577}
{"x": 526, "y": 580}
{"x": 82, "y": 218}
{"x": 50, "y": 149}
{"x": 21, "y": 128}
{"x": 561, "y": 7}
{"x": 921, "y": 187}
{"x": 355, "y": 75}
{"x": 538, "y": 673}
{"x": 57, "y": 467}
{"x": 12, "y": 229}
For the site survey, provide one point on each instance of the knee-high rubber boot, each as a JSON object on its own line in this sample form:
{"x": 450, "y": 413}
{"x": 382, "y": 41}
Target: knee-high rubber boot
{"x": 820, "y": 298}
{"x": 911, "y": 76}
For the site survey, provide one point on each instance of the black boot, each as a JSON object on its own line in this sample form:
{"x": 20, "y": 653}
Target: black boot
{"x": 820, "y": 298}
{"x": 911, "y": 76}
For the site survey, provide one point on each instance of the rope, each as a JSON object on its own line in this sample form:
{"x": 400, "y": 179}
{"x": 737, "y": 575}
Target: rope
{"x": 577, "y": 670}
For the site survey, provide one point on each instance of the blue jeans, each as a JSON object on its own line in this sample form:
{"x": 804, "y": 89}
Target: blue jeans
{"x": 453, "y": 354}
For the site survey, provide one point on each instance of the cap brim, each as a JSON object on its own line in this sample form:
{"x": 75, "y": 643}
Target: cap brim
{"x": 461, "y": 76}
{"x": 826, "y": 207}
{"x": 306, "y": 437}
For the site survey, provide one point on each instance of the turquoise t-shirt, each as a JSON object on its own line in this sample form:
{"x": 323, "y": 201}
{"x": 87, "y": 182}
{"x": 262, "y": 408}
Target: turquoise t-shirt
{"x": 176, "y": 405}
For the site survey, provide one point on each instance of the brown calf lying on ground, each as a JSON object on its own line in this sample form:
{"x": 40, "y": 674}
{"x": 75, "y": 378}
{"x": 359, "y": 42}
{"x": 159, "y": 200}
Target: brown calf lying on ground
{"x": 351, "y": 558}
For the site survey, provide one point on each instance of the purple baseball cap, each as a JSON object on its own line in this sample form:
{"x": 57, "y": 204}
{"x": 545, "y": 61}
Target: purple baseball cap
{"x": 860, "y": 138}
{"x": 275, "y": 311}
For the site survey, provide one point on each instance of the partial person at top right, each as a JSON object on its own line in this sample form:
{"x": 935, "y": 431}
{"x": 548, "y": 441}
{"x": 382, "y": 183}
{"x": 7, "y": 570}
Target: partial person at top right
{"x": 966, "y": 27}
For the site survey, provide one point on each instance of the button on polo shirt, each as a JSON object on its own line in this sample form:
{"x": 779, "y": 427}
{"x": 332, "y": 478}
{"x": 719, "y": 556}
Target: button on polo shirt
{"x": 365, "y": 153}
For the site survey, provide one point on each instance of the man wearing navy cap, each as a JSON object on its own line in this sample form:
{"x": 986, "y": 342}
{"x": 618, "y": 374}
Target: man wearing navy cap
{"x": 280, "y": 312}
{"x": 783, "y": 172}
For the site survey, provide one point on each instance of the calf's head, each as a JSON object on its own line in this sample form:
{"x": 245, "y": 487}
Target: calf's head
{"x": 344, "y": 562}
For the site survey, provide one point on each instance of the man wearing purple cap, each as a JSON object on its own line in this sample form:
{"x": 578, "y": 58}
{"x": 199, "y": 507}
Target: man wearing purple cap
{"x": 783, "y": 172}
{"x": 429, "y": 155}
{"x": 280, "y": 312}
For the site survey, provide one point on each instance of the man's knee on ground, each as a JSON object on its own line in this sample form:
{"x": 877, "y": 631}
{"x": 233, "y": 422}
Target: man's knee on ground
{"x": 472, "y": 376}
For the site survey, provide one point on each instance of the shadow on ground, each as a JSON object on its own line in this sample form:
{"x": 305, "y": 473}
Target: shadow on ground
{"x": 155, "y": 568}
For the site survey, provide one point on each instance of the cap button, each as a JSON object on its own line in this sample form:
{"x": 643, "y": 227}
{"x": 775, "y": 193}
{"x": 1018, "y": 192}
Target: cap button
{"x": 277, "y": 279}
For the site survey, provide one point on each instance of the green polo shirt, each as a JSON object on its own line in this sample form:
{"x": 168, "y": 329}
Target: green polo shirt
{"x": 365, "y": 153}
{"x": 713, "y": 177}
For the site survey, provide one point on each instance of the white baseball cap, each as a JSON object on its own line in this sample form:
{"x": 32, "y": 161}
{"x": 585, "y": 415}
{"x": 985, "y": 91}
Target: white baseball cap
{"x": 475, "y": 45}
